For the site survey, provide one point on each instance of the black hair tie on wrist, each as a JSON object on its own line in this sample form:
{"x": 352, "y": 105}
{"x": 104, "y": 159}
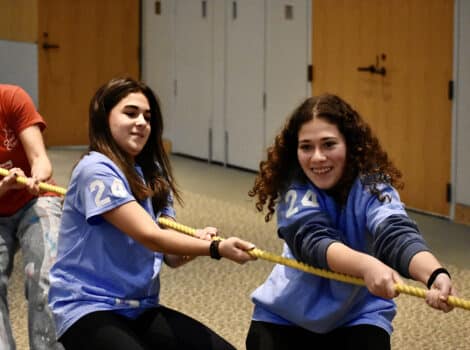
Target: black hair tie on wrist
{"x": 434, "y": 274}
{"x": 214, "y": 249}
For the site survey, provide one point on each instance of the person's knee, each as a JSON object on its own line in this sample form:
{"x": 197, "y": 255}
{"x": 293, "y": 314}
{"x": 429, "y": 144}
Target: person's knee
{"x": 31, "y": 283}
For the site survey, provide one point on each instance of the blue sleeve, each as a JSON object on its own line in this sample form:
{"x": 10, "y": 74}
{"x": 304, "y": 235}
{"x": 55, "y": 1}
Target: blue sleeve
{"x": 305, "y": 226}
{"x": 396, "y": 241}
{"x": 395, "y": 237}
{"x": 102, "y": 187}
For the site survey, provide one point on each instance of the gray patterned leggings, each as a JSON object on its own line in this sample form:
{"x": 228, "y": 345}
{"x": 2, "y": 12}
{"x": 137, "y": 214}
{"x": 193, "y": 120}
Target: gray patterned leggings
{"x": 34, "y": 229}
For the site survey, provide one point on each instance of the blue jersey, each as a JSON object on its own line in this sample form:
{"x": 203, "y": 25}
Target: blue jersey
{"x": 309, "y": 220}
{"x": 99, "y": 267}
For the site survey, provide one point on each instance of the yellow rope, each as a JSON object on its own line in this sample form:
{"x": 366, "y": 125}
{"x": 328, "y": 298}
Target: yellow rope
{"x": 42, "y": 185}
{"x": 261, "y": 254}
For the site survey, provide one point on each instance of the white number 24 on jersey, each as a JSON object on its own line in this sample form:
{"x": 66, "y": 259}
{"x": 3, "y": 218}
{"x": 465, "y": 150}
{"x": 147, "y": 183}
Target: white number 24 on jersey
{"x": 309, "y": 199}
{"x": 117, "y": 188}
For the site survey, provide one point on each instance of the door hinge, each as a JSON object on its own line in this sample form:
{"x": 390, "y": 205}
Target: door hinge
{"x": 158, "y": 7}
{"x": 450, "y": 90}
{"x": 265, "y": 101}
{"x": 310, "y": 73}
{"x": 204, "y": 9}
{"x": 449, "y": 192}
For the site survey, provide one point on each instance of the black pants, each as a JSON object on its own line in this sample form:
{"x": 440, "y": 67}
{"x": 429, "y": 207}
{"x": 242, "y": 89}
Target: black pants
{"x": 269, "y": 336}
{"x": 159, "y": 328}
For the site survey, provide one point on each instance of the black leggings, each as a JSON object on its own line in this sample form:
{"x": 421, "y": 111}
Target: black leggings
{"x": 159, "y": 328}
{"x": 269, "y": 336}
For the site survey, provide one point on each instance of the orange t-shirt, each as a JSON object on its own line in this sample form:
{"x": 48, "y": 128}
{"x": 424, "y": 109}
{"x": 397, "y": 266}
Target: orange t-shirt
{"x": 17, "y": 112}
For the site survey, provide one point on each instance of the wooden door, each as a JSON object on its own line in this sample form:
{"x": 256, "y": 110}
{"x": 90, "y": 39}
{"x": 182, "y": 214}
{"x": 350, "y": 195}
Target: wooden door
{"x": 82, "y": 44}
{"x": 408, "y": 107}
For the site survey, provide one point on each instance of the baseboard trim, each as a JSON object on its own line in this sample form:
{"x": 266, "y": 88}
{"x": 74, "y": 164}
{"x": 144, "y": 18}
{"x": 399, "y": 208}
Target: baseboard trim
{"x": 462, "y": 214}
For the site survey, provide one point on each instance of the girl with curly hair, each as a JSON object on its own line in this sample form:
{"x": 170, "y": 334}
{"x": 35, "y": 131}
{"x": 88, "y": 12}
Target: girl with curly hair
{"x": 335, "y": 193}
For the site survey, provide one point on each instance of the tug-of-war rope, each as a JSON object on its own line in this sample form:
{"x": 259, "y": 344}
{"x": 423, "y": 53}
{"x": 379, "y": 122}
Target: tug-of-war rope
{"x": 42, "y": 185}
{"x": 261, "y": 254}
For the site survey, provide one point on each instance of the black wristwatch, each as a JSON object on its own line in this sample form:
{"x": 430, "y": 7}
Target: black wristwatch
{"x": 214, "y": 249}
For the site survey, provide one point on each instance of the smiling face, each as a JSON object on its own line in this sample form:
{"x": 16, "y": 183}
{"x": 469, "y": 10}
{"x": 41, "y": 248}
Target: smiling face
{"x": 321, "y": 152}
{"x": 129, "y": 123}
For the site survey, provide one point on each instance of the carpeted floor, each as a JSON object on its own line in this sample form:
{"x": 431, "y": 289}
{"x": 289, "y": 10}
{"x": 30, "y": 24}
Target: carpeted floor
{"x": 217, "y": 292}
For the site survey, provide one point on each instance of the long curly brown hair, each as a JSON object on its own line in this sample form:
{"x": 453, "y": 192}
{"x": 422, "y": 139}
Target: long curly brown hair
{"x": 364, "y": 154}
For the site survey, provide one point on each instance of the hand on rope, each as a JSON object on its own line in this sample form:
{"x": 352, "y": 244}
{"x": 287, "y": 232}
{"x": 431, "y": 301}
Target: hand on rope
{"x": 43, "y": 186}
{"x": 261, "y": 254}
{"x": 258, "y": 253}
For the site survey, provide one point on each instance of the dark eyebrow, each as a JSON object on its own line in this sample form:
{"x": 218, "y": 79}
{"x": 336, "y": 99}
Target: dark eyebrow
{"x": 323, "y": 139}
{"x": 136, "y": 108}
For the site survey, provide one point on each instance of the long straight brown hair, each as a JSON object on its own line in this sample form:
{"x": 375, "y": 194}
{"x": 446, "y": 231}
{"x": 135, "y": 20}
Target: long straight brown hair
{"x": 153, "y": 160}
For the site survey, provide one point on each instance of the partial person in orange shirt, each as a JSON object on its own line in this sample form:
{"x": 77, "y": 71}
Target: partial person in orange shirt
{"x": 29, "y": 218}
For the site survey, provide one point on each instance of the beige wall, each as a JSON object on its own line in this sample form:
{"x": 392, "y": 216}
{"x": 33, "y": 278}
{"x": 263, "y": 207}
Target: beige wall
{"x": 19, "y": 20}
